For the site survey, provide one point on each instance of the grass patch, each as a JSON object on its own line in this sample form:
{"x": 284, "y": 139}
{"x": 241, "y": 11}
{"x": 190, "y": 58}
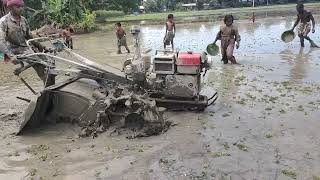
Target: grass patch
{"x": 219, "y": 154}
{"x": 282, "y": 111}
{"x": 269, "y": 136}
{"x": 226, "y": 146}
{"x": 242, "y": 147}
{"x": 289, "y": 173}
{"x": 316, "y": 177}
{"x": 219, "y": 12}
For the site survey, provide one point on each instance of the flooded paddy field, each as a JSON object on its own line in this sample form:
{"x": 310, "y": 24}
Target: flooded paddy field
{"x": 265, "y": 124}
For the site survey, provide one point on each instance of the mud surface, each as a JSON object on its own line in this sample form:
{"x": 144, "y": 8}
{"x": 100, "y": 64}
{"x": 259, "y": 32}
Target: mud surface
{"x": 265, "y": 124}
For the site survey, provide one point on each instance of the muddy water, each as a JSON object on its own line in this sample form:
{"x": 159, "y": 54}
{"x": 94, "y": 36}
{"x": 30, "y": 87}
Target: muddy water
{"x": 265, "y": 124}
{"x": 256, "y": 38}
{"x": 260, "y": 44}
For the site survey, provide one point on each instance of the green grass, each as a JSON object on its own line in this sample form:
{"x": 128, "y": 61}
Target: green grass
{"x": 289, "y": 173}
{"x": 219, "y": 12}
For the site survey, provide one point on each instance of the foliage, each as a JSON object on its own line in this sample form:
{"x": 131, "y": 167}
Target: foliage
{"x": 122, "y": 5}
{"x": 2, "y": 9}
{"x": 103, "y": 15}
{"x": 35, "y": 4}
{"x": 61, "y": 12}
{"x": 200, "y": 4}
{"x": 179, "y": 7}
{"x": 88, "y": 22}
{"x": 161, "y": 5}
{"x": 152, "y": 6}
{"x": 64, "y": 12}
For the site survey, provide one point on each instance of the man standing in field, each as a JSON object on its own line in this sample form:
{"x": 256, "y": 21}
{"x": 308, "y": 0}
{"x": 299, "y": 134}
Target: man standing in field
{"x": 304, "y": 18}
{"x": 121, "y": 35}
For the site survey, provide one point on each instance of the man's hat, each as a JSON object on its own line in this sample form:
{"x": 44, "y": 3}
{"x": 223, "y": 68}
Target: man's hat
{"x": 13, "y": 2}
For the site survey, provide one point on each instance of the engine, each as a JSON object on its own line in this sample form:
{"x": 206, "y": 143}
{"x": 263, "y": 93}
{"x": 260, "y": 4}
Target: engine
{"x": 179, "y": 73}
{"x": 171, "y": 77}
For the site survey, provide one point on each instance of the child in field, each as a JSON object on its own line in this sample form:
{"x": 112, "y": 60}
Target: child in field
{"x": 121, "y": 36}
{"x": 67, "y": 32}
{"x": 228, "y": 35}
{"x": 304, "y": 18}
{"x": 170, "y": 31}
{"x": 253, "y": 18}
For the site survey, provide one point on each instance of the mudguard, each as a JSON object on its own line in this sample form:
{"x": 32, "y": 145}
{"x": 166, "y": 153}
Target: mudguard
{"x": 68, "y": 103}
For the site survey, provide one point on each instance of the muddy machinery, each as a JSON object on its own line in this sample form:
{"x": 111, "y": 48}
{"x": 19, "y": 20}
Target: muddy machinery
{"x": 96, "y": 96}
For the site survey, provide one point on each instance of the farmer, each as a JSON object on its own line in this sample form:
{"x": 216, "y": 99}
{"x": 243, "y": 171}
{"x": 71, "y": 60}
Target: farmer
{"x": 228, "y": 35}
{"x": 14, "y": 32}
{"x": 67, "y": 32}
{"x": 304, "y": 17}
{"x": 170, "y": 31}
{"x": 253, "y": 18}
{"x": 122, "y": 40}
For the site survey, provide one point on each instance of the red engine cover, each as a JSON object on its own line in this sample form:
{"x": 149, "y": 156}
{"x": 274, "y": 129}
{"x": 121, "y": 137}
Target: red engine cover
{"x": 189, "y": 58}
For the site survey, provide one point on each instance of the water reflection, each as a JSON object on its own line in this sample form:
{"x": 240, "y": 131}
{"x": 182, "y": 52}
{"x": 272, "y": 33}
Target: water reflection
{"x": 260, "y": 42}
{"x": 299, "y": 62}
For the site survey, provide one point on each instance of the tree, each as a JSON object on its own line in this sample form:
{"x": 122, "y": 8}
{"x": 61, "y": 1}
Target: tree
{"x": 123, "y": 5}
{"x": 2, "y": 9}
{"x": 160, "y": 5}
{"x": 62, "y": 12}
{"x": 200, "y": 4}
{"x": 152, "y": 6}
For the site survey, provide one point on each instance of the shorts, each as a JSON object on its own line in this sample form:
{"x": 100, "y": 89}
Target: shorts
{"x": 122, "y": 41}
{"x": 169, "y": 37}
{"x": 304, "y": 28}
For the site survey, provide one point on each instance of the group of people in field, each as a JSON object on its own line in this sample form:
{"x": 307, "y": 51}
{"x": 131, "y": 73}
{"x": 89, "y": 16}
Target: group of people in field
{"x": 229, "y": 34}
{"x": 14, "y": 32}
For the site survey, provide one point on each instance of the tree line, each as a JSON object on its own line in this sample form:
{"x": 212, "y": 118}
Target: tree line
{"x": 83, "y": 12}
{"x": 173, "y": 5}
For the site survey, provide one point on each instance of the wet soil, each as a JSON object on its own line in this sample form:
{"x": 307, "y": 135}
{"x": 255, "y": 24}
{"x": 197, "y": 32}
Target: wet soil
{"x": 265, "y": 124}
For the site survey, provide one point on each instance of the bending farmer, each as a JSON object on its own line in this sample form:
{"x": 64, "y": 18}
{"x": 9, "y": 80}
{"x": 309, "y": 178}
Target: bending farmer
{"x": 304, "y": 17}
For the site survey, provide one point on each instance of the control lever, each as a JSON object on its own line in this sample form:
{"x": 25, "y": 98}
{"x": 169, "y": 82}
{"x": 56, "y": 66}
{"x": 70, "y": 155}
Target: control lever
{"x": 19, "y": 70}
{"x": 22, "y": 68}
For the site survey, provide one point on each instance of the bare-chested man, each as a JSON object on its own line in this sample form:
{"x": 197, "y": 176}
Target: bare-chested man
{"x": 304, "y": 17}
{"x": 67, "y": 36}
{"x": 170, "y": 31}
{"x": 122, "y": 40}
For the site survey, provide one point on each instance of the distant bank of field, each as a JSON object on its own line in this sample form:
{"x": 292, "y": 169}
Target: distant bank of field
{"x": 207, "y": 15}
